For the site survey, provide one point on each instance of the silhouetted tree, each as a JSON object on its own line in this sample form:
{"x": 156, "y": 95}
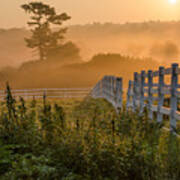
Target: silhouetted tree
{"x": 43, "y": 37}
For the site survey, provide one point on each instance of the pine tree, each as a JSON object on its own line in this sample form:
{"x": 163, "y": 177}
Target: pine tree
{"x": 44, "y": 38}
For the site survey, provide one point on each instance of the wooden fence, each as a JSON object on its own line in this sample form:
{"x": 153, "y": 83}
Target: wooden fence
{"x": 49, "y": 92}
{"x": 148, "y": 90}
{"x": 111, "y": 89}
{"x": 144, "y": 92}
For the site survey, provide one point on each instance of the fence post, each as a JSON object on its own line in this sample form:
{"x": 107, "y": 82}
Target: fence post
{"x": 108, "y": 88}
{"x": 160, "y": 95}
{"x": 114, "y": 84}
{"x": 111, "y": 88}
{"x": 135, "y": 86}
{"x": 173, "y": 103}
{"x": 143, "y": 75}
{"x": 150, "y": 94}
{"x": 119, "y": 93}
{"x": 96, "y": 91}
{"x": 101, "y": 88}
{"x": 104, "y": 87}
{"x": 104, "y": 81}
{"x": 93, "y": 92}
{"x": 129, "y": 95}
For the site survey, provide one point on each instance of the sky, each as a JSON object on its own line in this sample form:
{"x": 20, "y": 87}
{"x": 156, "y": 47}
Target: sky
{"x": 90, "y": 11}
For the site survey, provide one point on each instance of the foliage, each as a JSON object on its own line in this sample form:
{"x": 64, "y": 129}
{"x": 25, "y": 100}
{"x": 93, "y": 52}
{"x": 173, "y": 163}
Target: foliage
{"x": 82, "y": 140}
{"x": 43, "y": 37}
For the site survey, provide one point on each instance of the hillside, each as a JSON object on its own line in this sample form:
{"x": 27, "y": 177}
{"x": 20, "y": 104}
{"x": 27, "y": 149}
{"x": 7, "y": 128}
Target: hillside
{"x": 85, "y": 74}
{"x": 158, "y": 40}
{"x": 134, "y": 39}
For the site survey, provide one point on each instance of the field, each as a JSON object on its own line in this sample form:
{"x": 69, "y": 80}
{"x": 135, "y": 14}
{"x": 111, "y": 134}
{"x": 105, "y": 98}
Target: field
{"x": 75, "y": 139}
{"x": 88, "y": 95}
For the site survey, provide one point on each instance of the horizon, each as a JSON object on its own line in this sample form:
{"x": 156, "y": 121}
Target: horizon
{"x": 101, "y": 23}
{"x": 12, "y": 16}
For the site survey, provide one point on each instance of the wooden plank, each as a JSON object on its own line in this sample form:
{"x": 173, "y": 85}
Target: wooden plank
{"x": 135, "y": 91}
{"x": 150, "y": 94}
{"x": 129, "y": 95}
{"x": 166, "y": 91}
{"x": 146, "y": 90}
{"x": 154, "y": 108}
{"x": 168, "y": 71}
{"x": 155, "y": 73}
{"x": 177, "y": 94}
{"x": 173, "y": 102}
{"x": 155, "y": 98}
{"x": 177, "y": 115}
{"x": 154, "y": 91}
{"x": 119, "y": 93}
{"x": 165, "y": 110}
{"x": 143, "y": 73}
{"x": 160, "y": 94}
{"x": 48, "y": 89}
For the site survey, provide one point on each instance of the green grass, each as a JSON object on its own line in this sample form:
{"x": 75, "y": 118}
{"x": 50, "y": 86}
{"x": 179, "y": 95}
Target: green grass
{"x": 74, "y": 140}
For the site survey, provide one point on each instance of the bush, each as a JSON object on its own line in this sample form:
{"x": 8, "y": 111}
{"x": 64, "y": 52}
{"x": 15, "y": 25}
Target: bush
{"x": 44, "y": 140}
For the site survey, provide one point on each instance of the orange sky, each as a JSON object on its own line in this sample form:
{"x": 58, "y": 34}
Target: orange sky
{"x": 89, "y": 11}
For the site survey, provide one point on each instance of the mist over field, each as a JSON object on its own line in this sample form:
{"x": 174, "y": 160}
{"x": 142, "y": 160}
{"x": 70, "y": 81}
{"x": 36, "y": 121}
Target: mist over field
{"x": 134, "y": 39}
{"x": 90, "y": 52}
{"x": 89, "y": 90}
{"x": 158, "y": 40}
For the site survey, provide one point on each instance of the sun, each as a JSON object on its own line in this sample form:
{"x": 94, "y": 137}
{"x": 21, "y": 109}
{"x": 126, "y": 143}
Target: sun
{"x": 172, "y": 1}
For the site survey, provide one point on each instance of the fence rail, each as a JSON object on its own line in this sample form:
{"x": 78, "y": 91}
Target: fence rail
{"x": 49, "y": 92}
{"x": 148, "y": 90}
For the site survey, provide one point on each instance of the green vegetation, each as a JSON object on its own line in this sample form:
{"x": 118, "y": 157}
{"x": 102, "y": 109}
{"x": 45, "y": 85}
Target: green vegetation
{"x": 82, "y": 140}
{"x": 74, "y": 140}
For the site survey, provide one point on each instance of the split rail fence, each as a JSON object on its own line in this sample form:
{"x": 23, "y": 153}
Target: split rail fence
{"x": 111, "y": 89}
{"x": 48, "y": 92}
{"x": 148, "y": 90}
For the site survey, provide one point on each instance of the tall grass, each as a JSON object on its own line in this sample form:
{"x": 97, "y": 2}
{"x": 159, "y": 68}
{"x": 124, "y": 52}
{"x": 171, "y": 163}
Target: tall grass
{"x": 89, "y": 141}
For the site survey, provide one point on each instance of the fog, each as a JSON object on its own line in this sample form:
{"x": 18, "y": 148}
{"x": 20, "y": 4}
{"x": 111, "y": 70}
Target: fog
{"x": 134, "y": 39}
{"x": 89, "y": 52}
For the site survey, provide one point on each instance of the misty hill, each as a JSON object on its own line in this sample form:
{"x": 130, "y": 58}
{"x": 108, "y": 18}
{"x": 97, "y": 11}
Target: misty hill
{"x": 134, "y": 39}
{"x": 159, "y": 40}
{"x": 84, "y": 74}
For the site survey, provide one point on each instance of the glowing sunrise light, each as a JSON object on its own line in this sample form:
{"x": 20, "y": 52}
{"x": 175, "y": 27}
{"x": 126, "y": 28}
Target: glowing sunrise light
{"x": 172, "y": 1}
